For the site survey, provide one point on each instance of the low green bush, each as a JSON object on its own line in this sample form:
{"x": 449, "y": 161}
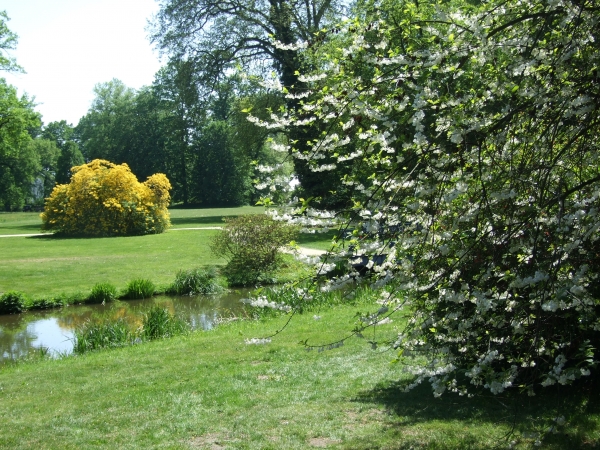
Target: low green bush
{"x": 253, "y": 246}
{"x": 102, "y": 292}
{"x": 13, "y": 302}
{"x": 196, "y": 281}
{"x": 139, "y": 288}
{"x": 160, "y": 323}
{"x": 47, "y": 303}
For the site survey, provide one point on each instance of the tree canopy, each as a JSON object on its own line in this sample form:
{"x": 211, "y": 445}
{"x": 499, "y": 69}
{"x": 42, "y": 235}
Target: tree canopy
{"x": 475, "y": 188}
{"x": 19, "y": 163}
{"x": 216, "y": 35}
{"x": 256, "y": 37}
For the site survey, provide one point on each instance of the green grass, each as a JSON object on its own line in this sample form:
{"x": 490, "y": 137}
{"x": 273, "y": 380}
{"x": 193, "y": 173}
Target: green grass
{"x": 20, "y": 223}
{"x": 30, "y": 222}
{"x": 51, "y": 266}
{"x": 209, "y": 217}
{"x": 211, "y": 390}
{"x": 48, "y": 266}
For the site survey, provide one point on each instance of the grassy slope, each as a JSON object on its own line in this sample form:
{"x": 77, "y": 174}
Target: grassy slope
{"x": 49, "y": 266}
{"x": 52, "y": 266}
{"x": 210, "y": 390}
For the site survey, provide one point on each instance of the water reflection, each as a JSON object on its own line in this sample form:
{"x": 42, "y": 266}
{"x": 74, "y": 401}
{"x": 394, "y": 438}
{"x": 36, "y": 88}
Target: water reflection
{"x": 52, "y": 331}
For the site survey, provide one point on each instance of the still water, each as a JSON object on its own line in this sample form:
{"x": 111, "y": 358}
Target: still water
{"x": 52, "y": 330}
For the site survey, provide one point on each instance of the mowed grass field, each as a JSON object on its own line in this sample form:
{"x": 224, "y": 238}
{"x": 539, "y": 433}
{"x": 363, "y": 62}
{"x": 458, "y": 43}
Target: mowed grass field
{"x": 211, "y": 390}
{"x": 48, "y": 266}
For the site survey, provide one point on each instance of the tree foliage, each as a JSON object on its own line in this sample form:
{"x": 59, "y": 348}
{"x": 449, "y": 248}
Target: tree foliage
{"x": 19, "y": 163}
{"x": 105, "y": 199}
{"x": 8, "y": 41}
{"x": 472, "y": 134}
{"x": 216, "y": 37}
{"x": 196, "y": 135}
{"x": 47, "y": 153}
{"x": 105, "y": 130}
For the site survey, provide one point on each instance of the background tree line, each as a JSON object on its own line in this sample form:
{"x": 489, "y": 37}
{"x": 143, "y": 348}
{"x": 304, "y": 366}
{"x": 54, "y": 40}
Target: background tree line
{"x": 189, "y": 124}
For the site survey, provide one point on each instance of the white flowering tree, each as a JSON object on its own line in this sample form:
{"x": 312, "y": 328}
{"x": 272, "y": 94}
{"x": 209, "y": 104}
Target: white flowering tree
{"x": 473, "y": 142}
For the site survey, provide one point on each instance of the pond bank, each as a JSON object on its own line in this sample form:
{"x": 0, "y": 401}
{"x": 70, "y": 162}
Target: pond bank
{"x": 52, "y": 331}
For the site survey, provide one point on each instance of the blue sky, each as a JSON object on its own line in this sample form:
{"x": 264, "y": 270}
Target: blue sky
{"x": 68, "y": 46}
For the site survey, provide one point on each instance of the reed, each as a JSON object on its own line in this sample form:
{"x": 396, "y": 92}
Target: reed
{"x": 196, "y": 281}
{"x": 160, "y": 323}
{"x": 139, "y": 288}
{"x": 102, "y": 293}
{"x": 106, "y": 333}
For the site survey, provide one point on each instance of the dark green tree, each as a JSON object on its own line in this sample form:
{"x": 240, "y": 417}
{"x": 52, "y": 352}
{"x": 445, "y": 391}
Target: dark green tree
{"x": 220, "y": 176}
{"x": 177, "y": 91}
{"x": 60, "y": 132}
{"x": 145, "y": 153}
{"x": 105, "y": 130}
{"x": 48, "y": 154}
{"x": 256, "y": 35}
{"x": 70, "y": 156}
{"x": 19, "y": 162}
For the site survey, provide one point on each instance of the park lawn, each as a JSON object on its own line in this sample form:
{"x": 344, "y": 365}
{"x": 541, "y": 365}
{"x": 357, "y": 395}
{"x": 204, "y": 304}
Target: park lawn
{"x": 211, "y": 390}
{"x": 208, "y": 217}
{"x": 20, "y": 223}
{"x": 46, "y": 266}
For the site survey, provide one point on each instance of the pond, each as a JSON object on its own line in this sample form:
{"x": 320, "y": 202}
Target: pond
{"x": 52, "y": 330}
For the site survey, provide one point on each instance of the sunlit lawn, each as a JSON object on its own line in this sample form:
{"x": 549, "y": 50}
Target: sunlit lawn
{"x": 30, "y": 222}
{"x": 210, "y": 390}
{"x": 47, "y": 266}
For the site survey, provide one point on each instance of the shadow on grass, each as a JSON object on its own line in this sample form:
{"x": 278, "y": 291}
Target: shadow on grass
{"x": 307, "y": 238}
{"x": 25, "y": 229}
{"x": 208, "y": 220}
{"x": 415, "y": 415}
{"x": 58, "y": 237}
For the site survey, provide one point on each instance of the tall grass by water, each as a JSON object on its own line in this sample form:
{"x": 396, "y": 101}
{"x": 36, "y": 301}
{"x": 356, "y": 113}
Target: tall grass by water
{"x": 102, "y": 293}
{"x": 105, "y": 331}
{"x": 160, "y": 323}
{"x": 196, "y": 281}
{"x": 139, "y": 288}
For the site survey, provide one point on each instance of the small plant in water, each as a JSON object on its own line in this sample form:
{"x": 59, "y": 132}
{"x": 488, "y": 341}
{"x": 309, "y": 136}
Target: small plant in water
{"x": 102, "y": 292}
{"x": 196, "y": 281}
{"x": 160, "y": 323}
{"x": 106, "y": 333}
{"x": 139, "y": 288}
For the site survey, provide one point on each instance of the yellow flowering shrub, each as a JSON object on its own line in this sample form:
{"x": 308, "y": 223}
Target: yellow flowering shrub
{"x": 106, "y": 199}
